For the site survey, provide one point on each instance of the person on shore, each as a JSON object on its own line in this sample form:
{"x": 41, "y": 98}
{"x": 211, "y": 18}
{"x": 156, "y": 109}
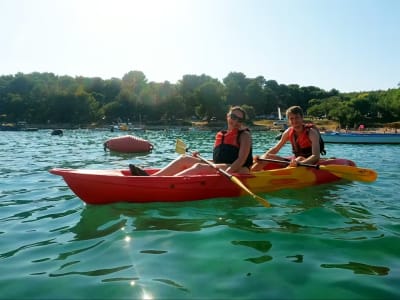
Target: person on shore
{"x": 232, "y": 151}
{"x": 305, "y": 140}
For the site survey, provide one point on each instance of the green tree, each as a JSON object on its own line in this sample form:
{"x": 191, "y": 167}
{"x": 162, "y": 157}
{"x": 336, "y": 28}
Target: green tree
{"x": 211, "y": 100}
{"x": 250, "y": 112}
{"x": 39, "y": 97}
{"x": 388, "y": 105}
{"x": 255, "y": 94}
{"x": 271, "y": 90}
{"x": 111, "y": 89}
{"x": 187, "y": 88}
{"x": 235, "y": 85}
{"x": 134, "y": 82}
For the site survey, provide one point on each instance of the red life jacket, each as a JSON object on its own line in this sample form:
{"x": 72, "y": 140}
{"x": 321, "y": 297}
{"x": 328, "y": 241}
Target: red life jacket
{"x": 227, "y": 145}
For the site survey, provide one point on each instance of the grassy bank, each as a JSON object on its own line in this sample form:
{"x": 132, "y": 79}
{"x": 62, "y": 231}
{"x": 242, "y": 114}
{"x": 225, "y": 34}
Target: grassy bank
{"x": 322, "y": 124}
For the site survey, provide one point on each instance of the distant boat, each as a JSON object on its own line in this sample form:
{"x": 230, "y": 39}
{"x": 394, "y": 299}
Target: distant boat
{"x": 20, "y": 126}
{"x": 126, "y": 127}
{"x": 31, "y": 129}
{"x": 122, "y": 127}
{"x": 9, "y": 127}
{"x": 281, "y": 121}
{"x": 361, "y": 138}
{"x": 141, "y": 128}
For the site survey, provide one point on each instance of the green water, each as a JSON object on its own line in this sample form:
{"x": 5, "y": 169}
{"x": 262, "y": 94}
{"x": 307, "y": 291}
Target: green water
{"x": 337, "y": 241}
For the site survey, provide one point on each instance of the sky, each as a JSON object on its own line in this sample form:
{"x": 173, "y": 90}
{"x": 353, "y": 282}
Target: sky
{"x": 348, "y": 45}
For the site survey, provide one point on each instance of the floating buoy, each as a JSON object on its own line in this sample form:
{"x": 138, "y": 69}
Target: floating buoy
{"x": 128, "y": 144}
{"x": 57, "y": 132}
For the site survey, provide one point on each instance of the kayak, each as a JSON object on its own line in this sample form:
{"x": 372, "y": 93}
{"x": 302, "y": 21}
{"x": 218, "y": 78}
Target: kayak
{"x": 118, "y": 185}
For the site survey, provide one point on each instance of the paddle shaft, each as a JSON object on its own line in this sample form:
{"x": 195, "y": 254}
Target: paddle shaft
{"x": 181, "y": 148}
{"x": 214, "y": 166}
{"x": 236, "y": 181}
{"x": 286, "y": 161}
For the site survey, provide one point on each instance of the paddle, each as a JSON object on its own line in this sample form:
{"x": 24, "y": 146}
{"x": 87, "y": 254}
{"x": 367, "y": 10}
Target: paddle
{"x": 346, "y": 172}
{"x": 182, "y": 149}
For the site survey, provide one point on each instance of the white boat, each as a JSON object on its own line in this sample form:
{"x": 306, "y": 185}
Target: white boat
{"x": 281, "y": 121}
{"x": 361, "y": 138}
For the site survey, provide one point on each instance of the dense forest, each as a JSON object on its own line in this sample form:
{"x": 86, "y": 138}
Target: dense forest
{"x": 46, "y": 98}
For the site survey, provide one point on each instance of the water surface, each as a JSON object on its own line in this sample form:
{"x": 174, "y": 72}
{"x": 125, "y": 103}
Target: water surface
{"x": 336, "y": 241}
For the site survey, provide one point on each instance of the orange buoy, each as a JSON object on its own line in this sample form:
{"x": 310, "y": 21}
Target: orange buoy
{"x": 128, "y": 144}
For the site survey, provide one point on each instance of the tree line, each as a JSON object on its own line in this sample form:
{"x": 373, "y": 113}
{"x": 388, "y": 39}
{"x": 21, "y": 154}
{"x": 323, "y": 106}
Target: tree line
{"x": 46, "y": 98}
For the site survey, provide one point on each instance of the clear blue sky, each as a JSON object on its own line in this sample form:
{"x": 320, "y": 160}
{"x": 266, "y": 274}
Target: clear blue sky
{"x": 349, "y": 45}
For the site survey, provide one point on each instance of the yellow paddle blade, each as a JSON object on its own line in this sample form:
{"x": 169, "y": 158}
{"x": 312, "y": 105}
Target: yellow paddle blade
{"x": 351, "y": 173}
{"x": 180, "y": 147}
{"x": 346, "y": 172}
{"x": 241, "y": 185}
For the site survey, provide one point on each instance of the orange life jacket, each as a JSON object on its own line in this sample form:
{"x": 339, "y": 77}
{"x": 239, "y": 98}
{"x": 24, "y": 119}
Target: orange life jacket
{"x": 301, "y": 145}
{"x": 227, "y": 145}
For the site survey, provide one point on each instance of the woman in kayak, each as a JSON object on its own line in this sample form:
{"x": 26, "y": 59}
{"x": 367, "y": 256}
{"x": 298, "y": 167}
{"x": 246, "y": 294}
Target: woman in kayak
{"x": 305, "y": 140}
{"x": 232, "y": 152}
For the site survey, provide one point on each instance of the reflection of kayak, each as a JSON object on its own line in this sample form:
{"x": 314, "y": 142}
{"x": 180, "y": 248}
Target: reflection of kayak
{"x": 109, "y": 186}
{"x": 128, "y": 144}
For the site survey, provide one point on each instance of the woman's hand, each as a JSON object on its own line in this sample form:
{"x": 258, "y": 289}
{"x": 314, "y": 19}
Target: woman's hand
{"x": 294, "y": 161}
{"x": 256, "y": 158}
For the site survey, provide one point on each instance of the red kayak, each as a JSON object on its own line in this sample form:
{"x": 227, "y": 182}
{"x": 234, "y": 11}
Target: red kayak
{"x": 110, "y": 186}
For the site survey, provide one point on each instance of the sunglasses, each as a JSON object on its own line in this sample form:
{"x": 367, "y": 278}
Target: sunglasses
{"x": 235, "y": 117}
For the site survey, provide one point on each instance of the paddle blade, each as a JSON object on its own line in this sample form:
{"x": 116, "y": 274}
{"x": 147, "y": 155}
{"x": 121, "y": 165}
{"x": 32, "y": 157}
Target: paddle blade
{"x": 351, "y": 173}
{"x": 180, "y": 147}
{"x": 243, "y": 187}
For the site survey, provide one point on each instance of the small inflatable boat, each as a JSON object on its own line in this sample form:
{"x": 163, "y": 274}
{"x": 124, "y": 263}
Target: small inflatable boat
{"x": 128, "y": 144}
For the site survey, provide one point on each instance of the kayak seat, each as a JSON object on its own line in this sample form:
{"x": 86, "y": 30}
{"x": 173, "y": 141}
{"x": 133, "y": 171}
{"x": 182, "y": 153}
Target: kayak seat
{"x": 136, "y": 171}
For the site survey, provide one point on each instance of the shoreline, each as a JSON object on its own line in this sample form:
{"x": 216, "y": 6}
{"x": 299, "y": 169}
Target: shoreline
{"x": 264, "y": 125}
